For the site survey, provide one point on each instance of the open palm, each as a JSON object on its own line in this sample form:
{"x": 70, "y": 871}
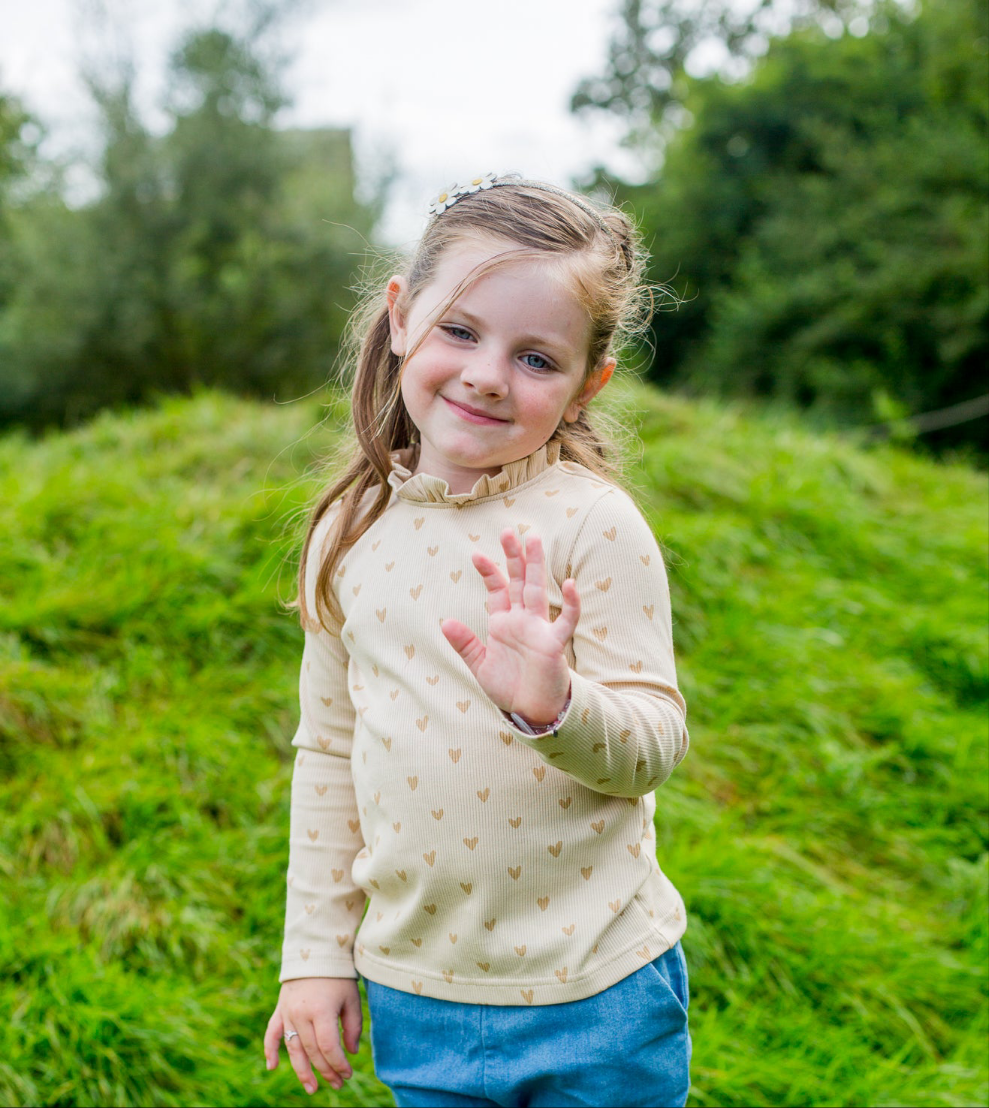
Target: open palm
{"x": 523, "y": 666}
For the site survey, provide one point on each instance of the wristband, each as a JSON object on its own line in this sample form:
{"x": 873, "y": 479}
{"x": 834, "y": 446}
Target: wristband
{"x": 540, "y": 729}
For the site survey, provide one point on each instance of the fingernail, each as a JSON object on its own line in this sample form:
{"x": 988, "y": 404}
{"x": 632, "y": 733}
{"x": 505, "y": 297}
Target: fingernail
{"x": 270, "y": 1062}
{"x": 310, "y": 1088}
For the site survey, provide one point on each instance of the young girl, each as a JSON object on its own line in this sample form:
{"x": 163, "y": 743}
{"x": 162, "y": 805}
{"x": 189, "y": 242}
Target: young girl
{"x": 488, "y": 692}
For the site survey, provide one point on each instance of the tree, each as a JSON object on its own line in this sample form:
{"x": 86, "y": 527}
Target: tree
{"x": 827, "y": 221}
{"x": 15, "y": 151}
{"x": 16, "y": 157}
{"x": 209, "y": 256}
{"x": 646, "y": 75}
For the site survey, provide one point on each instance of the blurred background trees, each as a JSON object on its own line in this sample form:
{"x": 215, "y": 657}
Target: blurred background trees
{"x": 824, "y": 213}
{"x": 219, "y": 252}
{"x": 815, "y": 192}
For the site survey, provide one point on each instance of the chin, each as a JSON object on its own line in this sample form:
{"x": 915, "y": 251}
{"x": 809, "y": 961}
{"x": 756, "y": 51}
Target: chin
{"x": 470, "y": 459}
{"x": 477, "y": 463}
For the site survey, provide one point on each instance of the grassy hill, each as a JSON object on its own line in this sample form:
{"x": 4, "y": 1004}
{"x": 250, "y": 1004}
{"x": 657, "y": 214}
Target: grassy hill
{"x": 827, "y": 830}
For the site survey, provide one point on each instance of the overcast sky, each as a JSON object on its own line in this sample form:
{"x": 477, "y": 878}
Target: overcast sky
{"x": 446, "y": 90}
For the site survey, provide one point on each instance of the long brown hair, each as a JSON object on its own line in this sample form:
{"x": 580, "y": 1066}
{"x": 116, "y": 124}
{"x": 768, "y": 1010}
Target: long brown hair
{"x": 600, "y": 248}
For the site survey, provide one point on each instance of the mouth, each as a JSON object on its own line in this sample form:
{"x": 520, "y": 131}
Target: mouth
{"x": 473, "y": 415}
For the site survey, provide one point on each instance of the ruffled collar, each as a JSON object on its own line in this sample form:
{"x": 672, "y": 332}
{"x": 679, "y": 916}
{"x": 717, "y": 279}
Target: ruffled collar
{"x": 423, "y": 488}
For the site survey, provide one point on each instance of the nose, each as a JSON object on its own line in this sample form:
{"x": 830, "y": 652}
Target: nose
{"x": 487, "y": 373}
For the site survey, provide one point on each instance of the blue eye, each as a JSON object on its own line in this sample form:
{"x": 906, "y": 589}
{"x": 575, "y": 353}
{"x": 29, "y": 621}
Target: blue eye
{"x": 543, "y": 364}
{"x": 458, "y": 332}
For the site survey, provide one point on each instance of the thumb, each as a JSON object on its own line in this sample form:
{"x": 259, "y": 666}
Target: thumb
{"x": 464, "y": 642}
{"x": 352, "y": 1019}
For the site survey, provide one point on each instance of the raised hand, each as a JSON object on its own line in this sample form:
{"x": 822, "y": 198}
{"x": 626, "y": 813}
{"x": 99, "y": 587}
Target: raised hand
{"x": 523, "y": 666}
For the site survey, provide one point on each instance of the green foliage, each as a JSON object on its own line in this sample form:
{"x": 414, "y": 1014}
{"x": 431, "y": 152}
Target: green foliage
{"x": 827, "y": 829}
{"x": 13, "y": 150}
{"x": 217, "y": 253}
{"x": 826, "y": 220}
{"x": 16, "y": 158}
{"x": 656, "y": 40}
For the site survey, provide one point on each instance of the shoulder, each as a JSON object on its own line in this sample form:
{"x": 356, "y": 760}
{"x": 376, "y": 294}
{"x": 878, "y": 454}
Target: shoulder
{"x": 587, "y": 520}
{"x": 609, "y": 526}
{"x": 314, "y": 551}
{"x": 319, "y": 545}
{"x": 600, "y": 499}
{"x": 319, "y": 537}
{"x": 322, "y": 535}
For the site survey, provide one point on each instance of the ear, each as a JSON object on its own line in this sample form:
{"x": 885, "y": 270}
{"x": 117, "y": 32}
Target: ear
{"x": 397, "y": 294}
{"x": 592, "y": 386}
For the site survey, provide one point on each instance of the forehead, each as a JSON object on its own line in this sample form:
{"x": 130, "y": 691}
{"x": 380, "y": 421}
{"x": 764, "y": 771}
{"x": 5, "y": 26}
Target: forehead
{"x": 532, "y": 293}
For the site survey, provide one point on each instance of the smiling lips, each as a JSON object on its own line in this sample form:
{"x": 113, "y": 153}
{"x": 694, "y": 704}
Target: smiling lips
{"x": 473, "y": 415}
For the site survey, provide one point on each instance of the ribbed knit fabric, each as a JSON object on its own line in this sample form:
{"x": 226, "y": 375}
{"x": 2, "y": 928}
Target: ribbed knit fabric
{"x": 498, "y": 868}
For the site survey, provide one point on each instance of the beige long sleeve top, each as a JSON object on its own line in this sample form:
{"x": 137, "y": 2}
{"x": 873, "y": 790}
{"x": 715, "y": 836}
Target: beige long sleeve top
{"x": 495, "y": 867}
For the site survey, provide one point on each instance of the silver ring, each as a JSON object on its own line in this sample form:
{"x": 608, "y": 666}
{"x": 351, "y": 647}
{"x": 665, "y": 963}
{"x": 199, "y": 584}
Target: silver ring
{"x": 289, "y": 1036}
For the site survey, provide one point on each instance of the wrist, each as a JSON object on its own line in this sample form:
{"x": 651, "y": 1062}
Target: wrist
{"x": 540, "y": 727}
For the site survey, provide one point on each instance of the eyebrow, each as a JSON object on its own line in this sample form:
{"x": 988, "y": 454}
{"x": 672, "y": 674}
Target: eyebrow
{"x": 559, "y": 348}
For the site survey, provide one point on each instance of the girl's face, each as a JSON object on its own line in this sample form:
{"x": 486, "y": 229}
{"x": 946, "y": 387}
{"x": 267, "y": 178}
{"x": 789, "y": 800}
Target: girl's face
{"x": 498, "y": 370}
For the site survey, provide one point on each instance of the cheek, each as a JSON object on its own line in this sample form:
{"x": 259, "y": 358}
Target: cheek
{"x": 414, "y": 382}
{"x": 546, "y": 405}
{"x": 412, "y": 396}
{"x": 422, "y": 379}
{"x": 428, "y": 369}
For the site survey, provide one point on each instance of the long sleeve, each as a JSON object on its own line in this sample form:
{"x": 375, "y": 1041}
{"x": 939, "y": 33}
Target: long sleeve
{"x": 323, "y": 904}
{"x": 498, "y": 867}
{"x": 625, "y": 729}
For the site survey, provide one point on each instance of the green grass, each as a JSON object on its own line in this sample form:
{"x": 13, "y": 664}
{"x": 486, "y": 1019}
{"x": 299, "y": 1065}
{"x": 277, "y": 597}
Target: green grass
{"x": 827, "y": 830}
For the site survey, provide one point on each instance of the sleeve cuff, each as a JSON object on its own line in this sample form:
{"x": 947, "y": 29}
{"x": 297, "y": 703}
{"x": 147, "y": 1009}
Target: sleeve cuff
{"x": 538, "y": 730}
{"x": 614, "y": 742}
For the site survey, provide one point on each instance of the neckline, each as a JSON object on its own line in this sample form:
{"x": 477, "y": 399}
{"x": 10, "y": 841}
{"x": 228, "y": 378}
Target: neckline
{"x": 424, "y": 488}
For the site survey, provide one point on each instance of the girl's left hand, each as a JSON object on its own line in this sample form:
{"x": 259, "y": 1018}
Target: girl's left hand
{"x": 523, "y": 666}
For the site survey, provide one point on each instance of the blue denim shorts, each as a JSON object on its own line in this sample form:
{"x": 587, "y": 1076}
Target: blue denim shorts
{"x": 628, "y": 1045}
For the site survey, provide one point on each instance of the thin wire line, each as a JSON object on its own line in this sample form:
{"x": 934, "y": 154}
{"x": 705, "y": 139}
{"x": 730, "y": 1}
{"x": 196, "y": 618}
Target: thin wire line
{"x": 933, "y": 421}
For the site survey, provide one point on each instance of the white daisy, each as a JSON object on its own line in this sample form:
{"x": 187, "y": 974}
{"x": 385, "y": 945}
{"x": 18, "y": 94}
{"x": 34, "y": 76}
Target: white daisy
{"x": 446, "y": 199}
{"x": 477, "y": 183}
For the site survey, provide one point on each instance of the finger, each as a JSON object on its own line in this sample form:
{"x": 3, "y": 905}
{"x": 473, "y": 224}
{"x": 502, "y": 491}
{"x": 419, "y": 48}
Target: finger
{"x": 494, "y": 582}
{"x": 464, "y": 642}
{"x": 534, "y": 593}
{"x": 328, "y": 1043}
{"x": 515, "y": 564}
{"x": 566, "y": 622}
{"x": 316, "y": 1037}
{"x": 271, "y": 1038}
{"x": 353, "y": 1019}
{"x": 299, "y": 1057}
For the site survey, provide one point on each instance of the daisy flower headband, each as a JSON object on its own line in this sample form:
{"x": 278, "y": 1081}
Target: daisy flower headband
{"x": 449, "y": 196}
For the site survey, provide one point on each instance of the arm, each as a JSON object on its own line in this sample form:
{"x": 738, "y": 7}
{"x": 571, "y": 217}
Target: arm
{"x": 624, "y": 729}
{"x": 323, "y": 905}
